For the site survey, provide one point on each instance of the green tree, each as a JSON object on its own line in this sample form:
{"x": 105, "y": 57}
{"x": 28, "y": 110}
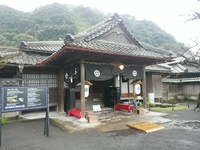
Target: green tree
{"x": 54, "y": 21}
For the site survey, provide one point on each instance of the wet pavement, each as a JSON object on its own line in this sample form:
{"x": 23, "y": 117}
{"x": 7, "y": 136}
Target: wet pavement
{"x": 109, "y": 120}
{"x": 190, "y": 125}
{"x": 189, "y": 119}
{"x": 181, "y": 132}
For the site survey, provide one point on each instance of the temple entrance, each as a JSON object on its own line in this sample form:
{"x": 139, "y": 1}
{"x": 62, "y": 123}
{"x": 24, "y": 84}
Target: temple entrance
{"x": 96, "y": 94}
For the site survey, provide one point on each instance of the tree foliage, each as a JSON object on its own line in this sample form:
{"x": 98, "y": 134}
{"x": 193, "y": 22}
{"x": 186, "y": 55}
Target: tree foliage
{"x": 150, "y": 34}
{"x": 52, "y": 22}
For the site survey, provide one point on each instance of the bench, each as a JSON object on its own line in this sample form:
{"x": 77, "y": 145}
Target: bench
{"x": 125, "y": 107}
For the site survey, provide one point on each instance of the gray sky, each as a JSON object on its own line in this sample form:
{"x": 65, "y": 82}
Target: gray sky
{"x": 170, "y": 15}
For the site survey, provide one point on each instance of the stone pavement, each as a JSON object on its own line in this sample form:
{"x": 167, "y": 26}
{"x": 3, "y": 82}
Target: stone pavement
{"x": 109, "y": 120}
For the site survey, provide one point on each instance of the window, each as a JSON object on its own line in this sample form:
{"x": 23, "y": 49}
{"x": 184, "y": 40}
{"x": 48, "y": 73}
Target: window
{"x": 40, "y": 79}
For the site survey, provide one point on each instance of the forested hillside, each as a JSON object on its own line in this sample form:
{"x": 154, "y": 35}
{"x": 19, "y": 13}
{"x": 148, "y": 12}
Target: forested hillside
{"x": 52, "y": 22}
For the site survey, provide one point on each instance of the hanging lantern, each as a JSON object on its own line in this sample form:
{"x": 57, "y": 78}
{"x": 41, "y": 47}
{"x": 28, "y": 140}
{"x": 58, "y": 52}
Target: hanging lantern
{"x": 87, "y": 90}
{"x": 87, "y": 86}
{"x": 137, "y": 89}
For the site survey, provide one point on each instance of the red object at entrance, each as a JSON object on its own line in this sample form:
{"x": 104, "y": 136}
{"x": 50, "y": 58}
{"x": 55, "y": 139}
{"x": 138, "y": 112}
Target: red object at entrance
{"x": 75, "y": 112}
{"x": 125, "y": 107}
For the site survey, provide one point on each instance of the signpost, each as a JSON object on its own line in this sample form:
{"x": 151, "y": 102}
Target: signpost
{"x": 19, "y": 98}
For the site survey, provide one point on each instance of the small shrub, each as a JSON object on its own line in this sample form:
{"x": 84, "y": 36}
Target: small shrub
{"x": 185, "y": 99}
{"x": 3, "y": 120}
{"x": 141, "y": 104}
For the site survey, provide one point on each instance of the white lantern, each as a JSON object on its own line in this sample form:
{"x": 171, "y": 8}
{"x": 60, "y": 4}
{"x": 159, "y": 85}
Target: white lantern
{"x": 137, "y": 89}
{"x": 87, "y": 90}
{"x": 87, "y": 85}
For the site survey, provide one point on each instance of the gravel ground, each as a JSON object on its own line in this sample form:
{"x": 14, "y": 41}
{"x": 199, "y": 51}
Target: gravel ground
{"x": 182, "y": 133}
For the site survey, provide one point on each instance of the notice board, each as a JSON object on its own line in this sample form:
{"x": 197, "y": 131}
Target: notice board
{"x": 17, "y": 98}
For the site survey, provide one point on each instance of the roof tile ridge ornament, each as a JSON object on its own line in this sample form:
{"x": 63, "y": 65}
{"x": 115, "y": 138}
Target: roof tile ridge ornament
{"x": 26, "y": 45}
{"x": 116, "y": 16}
{"x": 23, "y": 44}
{"x": 68, "y": 39}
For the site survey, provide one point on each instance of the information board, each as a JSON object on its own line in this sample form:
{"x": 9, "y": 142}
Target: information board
{"x": 16, "y": 98}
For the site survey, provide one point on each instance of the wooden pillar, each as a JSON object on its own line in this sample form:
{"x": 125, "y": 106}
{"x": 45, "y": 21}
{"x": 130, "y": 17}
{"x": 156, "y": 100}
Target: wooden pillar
{"x": 82, "y": 66}
{"x": 167, "y": 94}
{"x": 128, "y": 86}
{"x": 144, "y": 87}
{"x": 60, "y": 91}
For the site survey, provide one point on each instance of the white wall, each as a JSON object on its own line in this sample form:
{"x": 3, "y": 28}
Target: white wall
{"x": 124, "y": 87}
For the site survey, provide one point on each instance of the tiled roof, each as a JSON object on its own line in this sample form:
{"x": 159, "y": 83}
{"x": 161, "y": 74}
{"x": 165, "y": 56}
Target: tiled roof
{"x": 7, "y": 52}
{"x": 101, "y": 28}
{"x": 90, "y": 40}
{"x": 29, "y": 53}
{"x": 157, "y": 68}
{"x": 161, "y": 51}
{"x": 114, "y": 48}
{"x": 86, "y": 38}
{"x": 181, "y": 80}
{"x": 178, "y": 66}
{"x": 27, "y": 58}
{"x": 10, "y": 56}
{"x": 42, "y": 46}
{"x": 185, "y": 68}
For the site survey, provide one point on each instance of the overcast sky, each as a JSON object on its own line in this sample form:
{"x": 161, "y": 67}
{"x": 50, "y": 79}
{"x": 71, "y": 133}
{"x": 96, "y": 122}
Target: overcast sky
{"x": 170, "y": 15}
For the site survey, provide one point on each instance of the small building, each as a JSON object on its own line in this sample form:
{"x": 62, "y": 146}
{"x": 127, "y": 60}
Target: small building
{"x": 98, "y": 52}
{"x": 106, "y": 55}
{"x": 21, "y": 64}
{"x": 154, "y": 76}
{"x": 183, "y": 81}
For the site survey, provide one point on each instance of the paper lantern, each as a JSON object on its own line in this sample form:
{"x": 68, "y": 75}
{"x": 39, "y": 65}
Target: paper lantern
{"x": 137, "y": 89}
{"x": 87, "y": 86}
